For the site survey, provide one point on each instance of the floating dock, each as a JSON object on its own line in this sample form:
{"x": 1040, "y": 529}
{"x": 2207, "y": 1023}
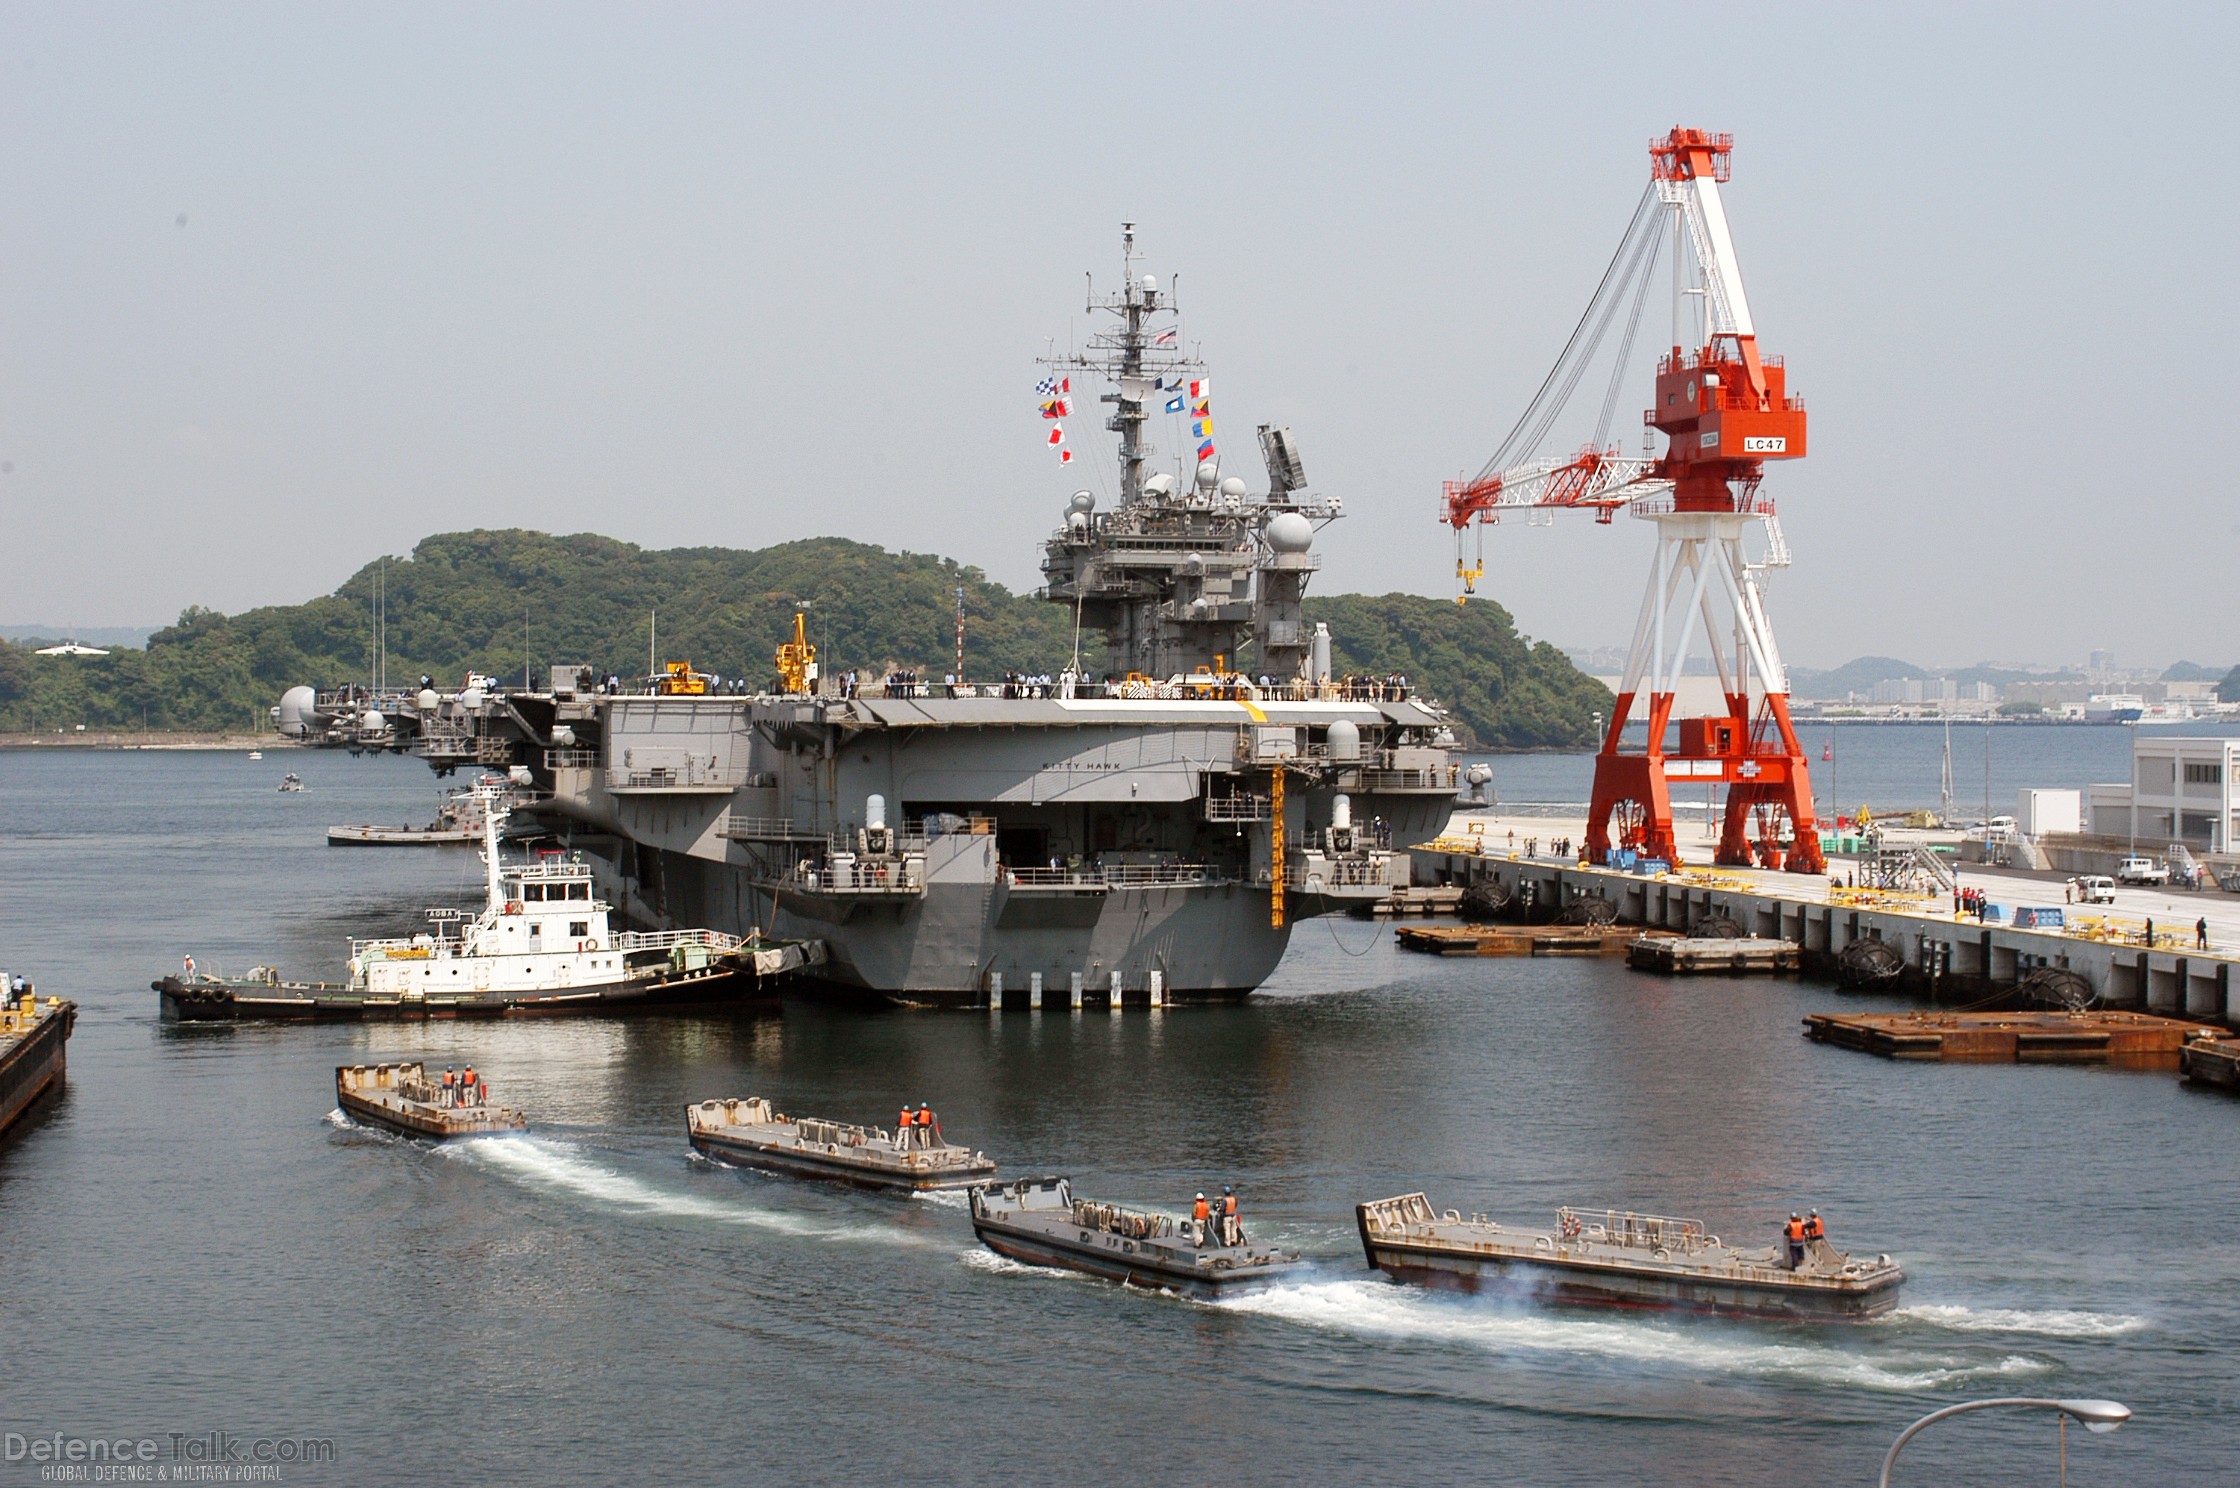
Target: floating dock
{"x": 1684, "y": 956}
{"x": 1937, "y": 954}
{"x": 2211, "y": 1061}
{"x": 1516, "y": 940}
{"x": 2139, "y": 1040}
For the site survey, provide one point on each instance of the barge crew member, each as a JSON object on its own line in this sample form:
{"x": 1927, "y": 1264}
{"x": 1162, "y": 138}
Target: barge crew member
{"x": 450, "y": 1084}
{"x": 1794, "y": 1233}
{"x": 1231, "y": 1232}
{"x": 1813, "y": 1229}
{"x": 925, "y": 1125}
{"x": 1199, "y": 1213}
{"x": 902, "y": 1128}
{"x": 466, "y": 1088}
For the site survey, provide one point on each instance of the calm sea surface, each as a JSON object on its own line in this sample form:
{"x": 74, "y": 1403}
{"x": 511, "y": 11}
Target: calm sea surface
{"x": 193, "y": 1243}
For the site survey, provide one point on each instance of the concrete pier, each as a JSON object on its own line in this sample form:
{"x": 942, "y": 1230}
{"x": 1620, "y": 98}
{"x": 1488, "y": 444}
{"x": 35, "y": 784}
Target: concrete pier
{"x": 1945, "y": 955}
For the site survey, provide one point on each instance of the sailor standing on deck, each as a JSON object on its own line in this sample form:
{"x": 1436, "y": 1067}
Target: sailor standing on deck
{"x": 925, "y": 1125}
{"x": 466, "y": 1087}
{"x": 1813, "y": 1229}
{"x": 1200, "y": 1212}
{"x": 902, "y": 1129}
{"x": 449, "y": 1084}
{"x": 1231, "y": 1231}
{"x": 1794, "y": 1233}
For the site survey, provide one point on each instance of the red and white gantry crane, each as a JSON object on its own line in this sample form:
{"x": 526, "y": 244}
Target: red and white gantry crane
{"x": 1724, "y": 410}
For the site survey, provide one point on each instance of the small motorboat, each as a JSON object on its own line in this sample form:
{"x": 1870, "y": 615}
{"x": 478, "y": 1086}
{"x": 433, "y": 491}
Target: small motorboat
{"x": 402, "y": 1098}
{"x": 1040, "y": 1223}
{"x": 291, "y": 782}
{"x": 748, "y": 1132}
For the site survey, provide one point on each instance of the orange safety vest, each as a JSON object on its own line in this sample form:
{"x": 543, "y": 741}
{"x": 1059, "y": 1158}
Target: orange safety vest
{"x": 1813, "y": 1229}
{"x": 1795, "y": 1229}
{"x": 925, "y": 1117}
{"x": 902, "y": 1122}
{"x": 1200, "y": 1211}
{"x": 1229, "y": 1205}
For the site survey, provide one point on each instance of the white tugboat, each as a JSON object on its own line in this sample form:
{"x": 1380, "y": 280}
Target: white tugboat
{"x": 541, "y": 944}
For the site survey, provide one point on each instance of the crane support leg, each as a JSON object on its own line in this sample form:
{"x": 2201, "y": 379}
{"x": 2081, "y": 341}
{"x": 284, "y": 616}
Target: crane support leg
{"x": 1700, "y": 587}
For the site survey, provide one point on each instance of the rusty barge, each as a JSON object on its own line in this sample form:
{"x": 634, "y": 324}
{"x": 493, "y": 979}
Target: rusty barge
{"x": 34, "y": 1040}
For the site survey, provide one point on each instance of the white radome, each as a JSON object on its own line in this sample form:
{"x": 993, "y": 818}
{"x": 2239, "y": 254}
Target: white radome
{"x": 1290, "y": 533}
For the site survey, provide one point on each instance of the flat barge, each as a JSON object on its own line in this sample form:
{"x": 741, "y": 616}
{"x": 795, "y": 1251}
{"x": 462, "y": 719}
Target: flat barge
{"x": 2094, "y": 1036}
{"x": 1515, "y": 940}
{"x": 34, "y": 1041}
{"x": 401, "y": 1098}
{"x": 1683, "y": 956}
{"x": 1038, "y": 1222}
{"x": 1622, "y": 1260}
{"x": 915, "y": 1157}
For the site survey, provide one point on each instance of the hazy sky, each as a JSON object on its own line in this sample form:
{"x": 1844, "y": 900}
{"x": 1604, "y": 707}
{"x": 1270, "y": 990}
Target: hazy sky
{"x": 285, "y": 287}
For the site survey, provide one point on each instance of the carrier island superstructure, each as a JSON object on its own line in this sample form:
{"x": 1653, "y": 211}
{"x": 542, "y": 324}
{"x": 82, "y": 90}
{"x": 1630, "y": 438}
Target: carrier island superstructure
{"x": 1146, "y": 825}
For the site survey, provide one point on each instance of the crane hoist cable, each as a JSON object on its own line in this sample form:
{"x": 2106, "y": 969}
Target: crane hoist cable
{"x": 1621, "y": 268}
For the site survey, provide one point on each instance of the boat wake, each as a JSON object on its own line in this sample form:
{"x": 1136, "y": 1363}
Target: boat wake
{"x": 980, "y": 1258}
{"x": 944, "y": 1198}
{"x": 1376, "y": 1309}
{"x": 556, "y": 1167}
{"x": 2053, "y": 1323}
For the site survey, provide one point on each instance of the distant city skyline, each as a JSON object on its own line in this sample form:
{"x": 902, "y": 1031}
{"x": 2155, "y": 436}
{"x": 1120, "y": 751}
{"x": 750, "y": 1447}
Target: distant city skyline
{"x": 291, "y": 288}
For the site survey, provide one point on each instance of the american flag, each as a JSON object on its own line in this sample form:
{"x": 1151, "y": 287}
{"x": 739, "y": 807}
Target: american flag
{"x": 1164, "y": 338}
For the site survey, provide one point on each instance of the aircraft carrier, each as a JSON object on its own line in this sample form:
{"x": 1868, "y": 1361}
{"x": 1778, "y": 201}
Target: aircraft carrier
{"x": 1149, "y": 828}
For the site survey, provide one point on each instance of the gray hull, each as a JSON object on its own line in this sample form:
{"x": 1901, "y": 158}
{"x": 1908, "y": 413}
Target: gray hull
{"x": 1208, "y": 943}
{"x": 1609, "y": 1286}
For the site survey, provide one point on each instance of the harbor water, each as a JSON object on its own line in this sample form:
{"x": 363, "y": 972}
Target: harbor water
{"x": 195, "y": 1242}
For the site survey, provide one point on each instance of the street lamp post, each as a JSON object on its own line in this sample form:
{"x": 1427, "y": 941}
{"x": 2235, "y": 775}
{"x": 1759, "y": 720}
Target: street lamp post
{"x": 2099, "y": 1417}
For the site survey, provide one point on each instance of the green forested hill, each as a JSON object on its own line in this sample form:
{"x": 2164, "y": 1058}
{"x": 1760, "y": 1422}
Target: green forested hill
{"x": 487, "y": 600}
